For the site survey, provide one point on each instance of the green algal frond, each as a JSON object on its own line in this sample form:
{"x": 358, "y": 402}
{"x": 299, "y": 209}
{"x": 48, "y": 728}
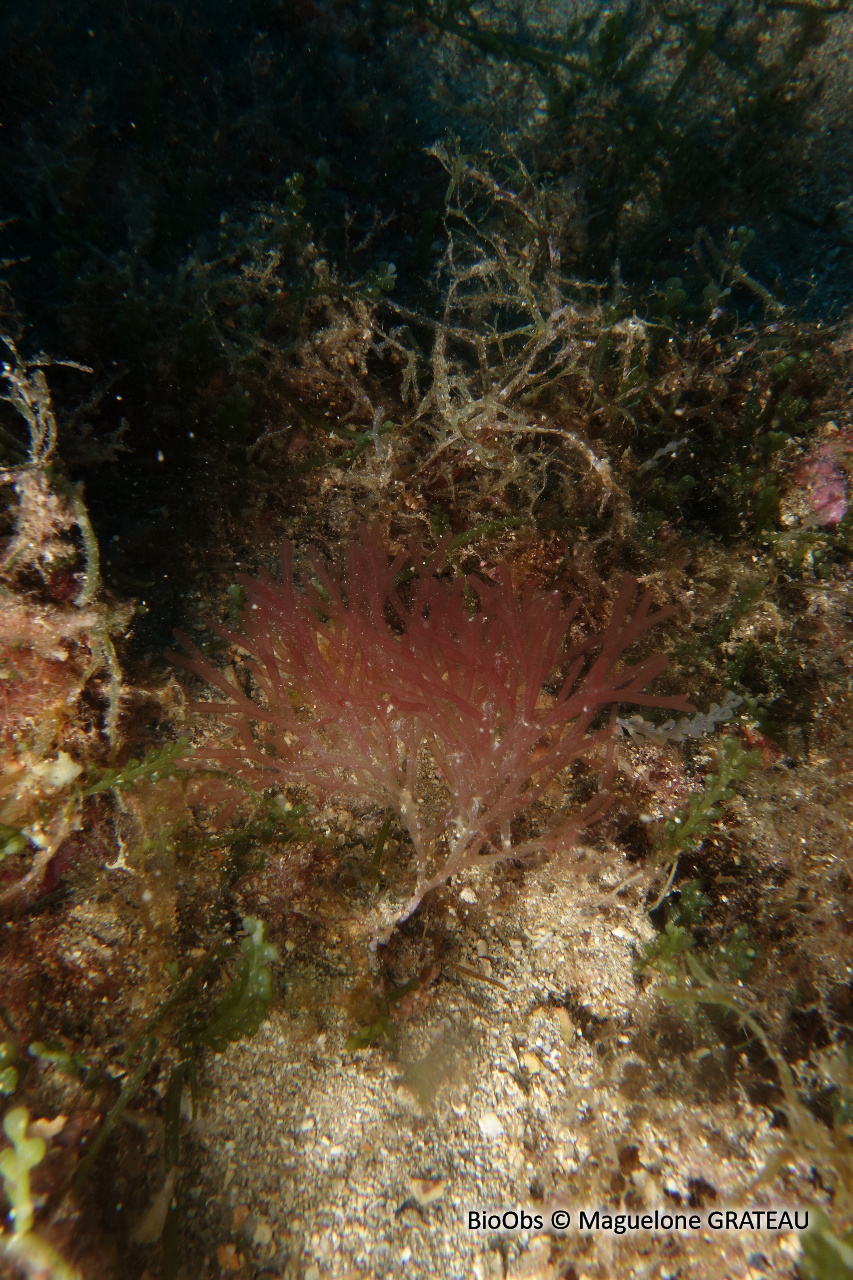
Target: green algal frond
{"x": 688, "y": 827}
{"x": 243, "y": 1007}
{"x": 22, "y": 1246}
{"x": 160, "y": 762}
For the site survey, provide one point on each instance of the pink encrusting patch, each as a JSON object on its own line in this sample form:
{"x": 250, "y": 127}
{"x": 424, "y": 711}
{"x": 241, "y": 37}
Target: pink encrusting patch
{"x": 826, "y": 484}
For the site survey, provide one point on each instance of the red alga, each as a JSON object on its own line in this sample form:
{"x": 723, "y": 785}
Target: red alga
{"x": 368, "y": 688}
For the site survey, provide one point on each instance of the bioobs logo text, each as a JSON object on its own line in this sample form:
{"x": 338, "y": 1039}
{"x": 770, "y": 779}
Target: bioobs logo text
{"x": 603, "y": 1221}
{"x": 506, "y": 1220}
